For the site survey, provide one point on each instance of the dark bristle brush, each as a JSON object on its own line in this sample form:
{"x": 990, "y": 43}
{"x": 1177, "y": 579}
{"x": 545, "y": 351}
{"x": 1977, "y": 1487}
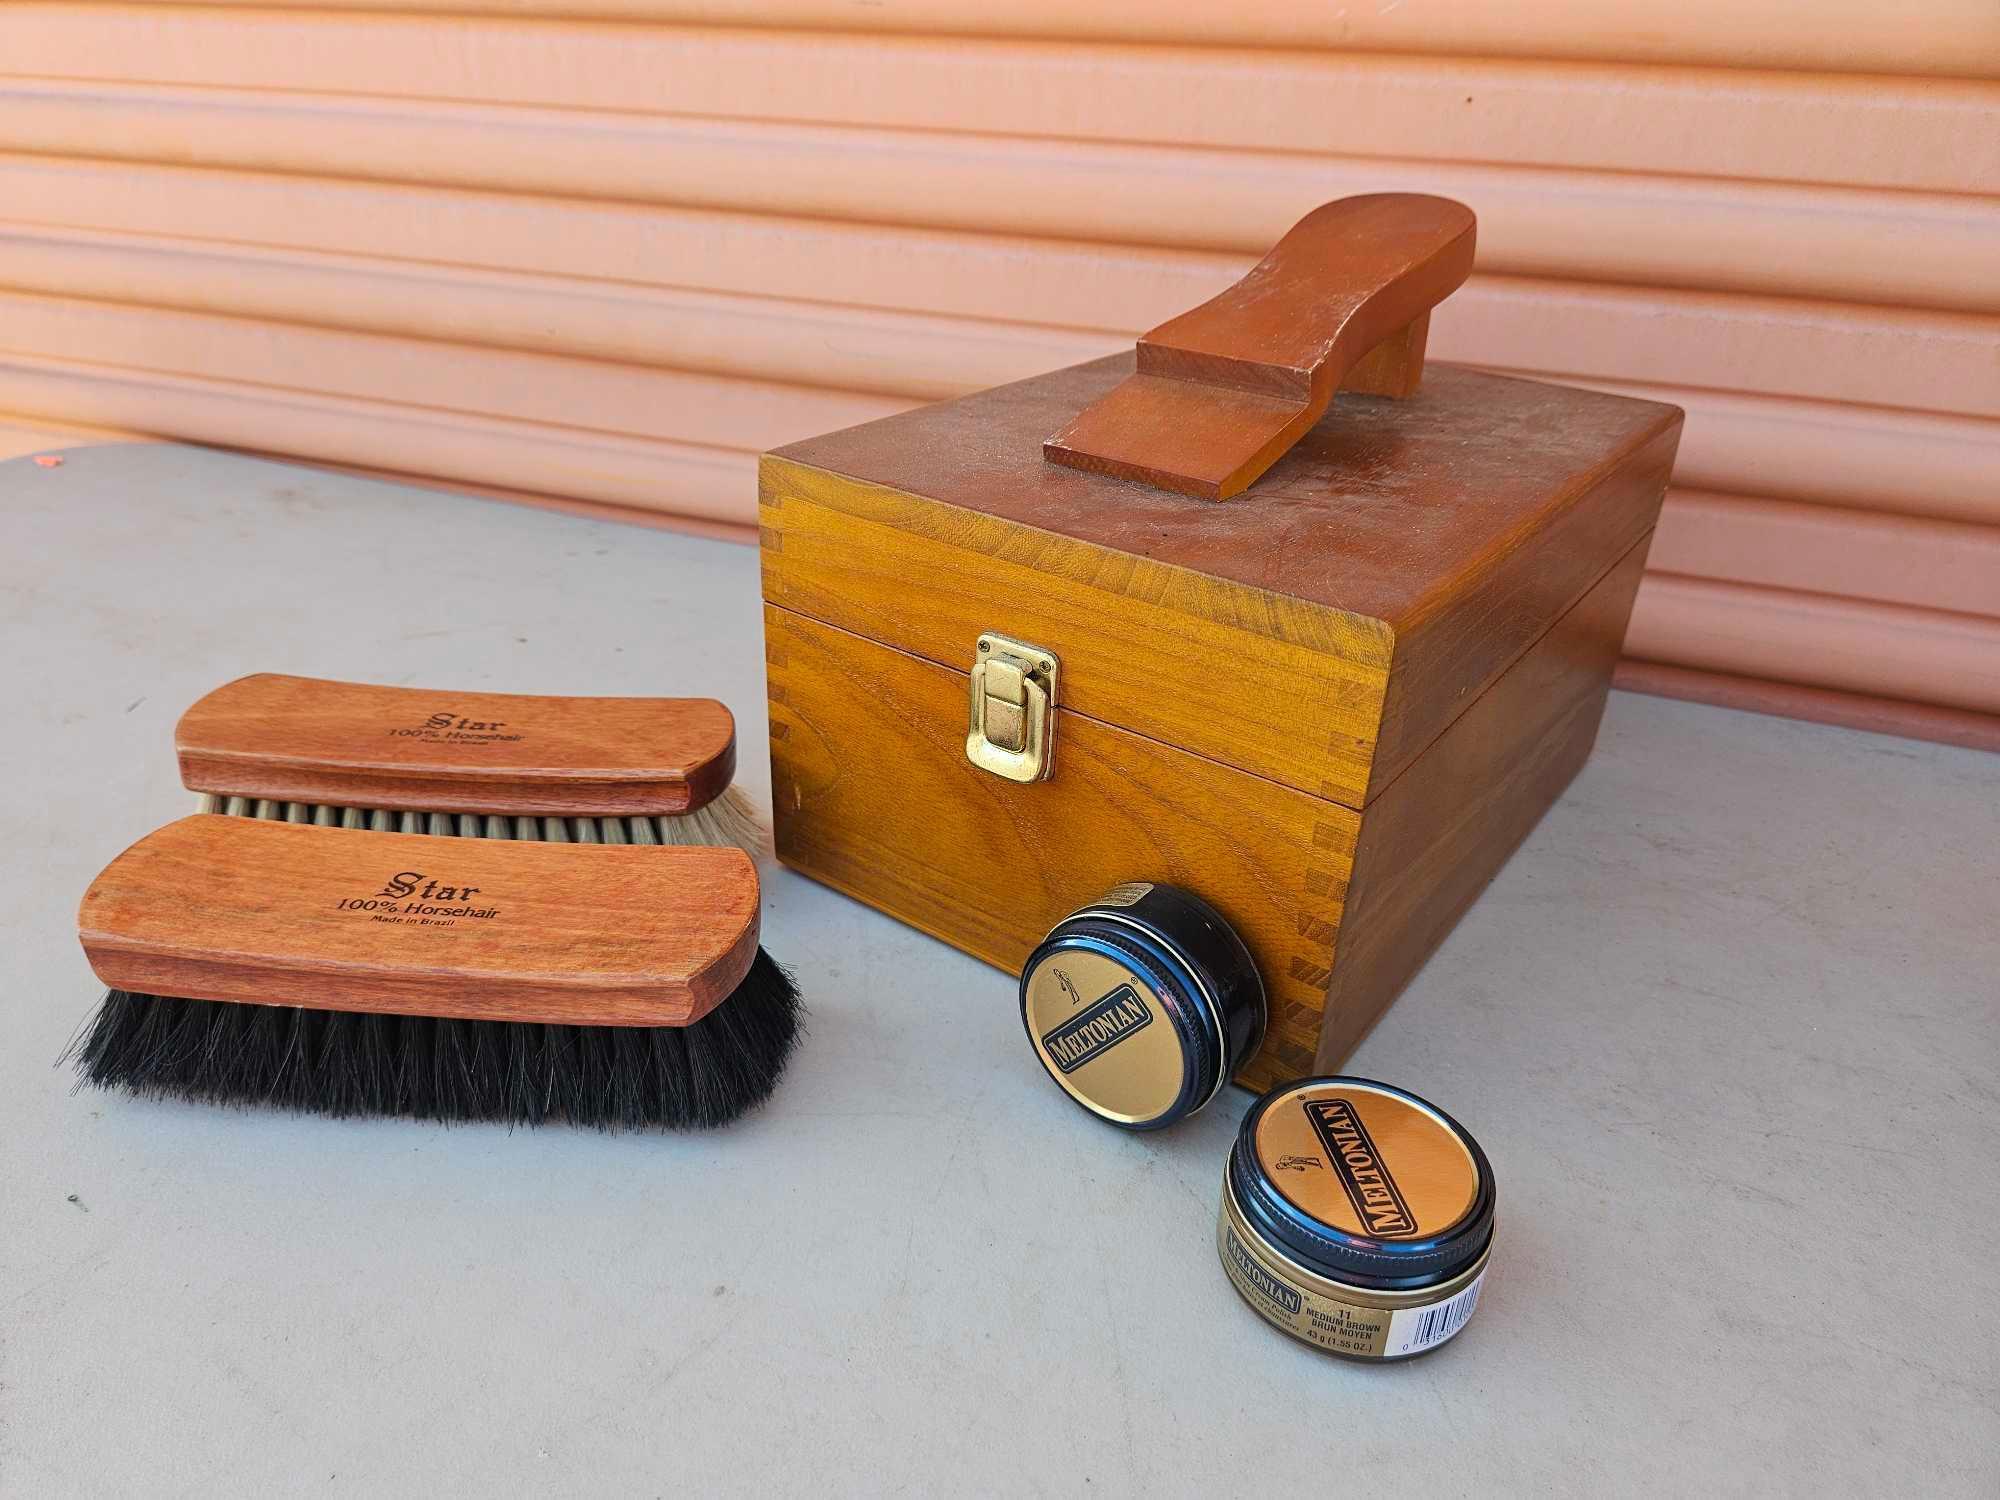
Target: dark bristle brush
{"x": 352, "y": 972}
{"x": 415, "y": 760}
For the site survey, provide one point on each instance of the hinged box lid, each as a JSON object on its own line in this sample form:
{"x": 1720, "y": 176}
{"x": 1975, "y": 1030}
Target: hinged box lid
{"x": 1319, "y": 629}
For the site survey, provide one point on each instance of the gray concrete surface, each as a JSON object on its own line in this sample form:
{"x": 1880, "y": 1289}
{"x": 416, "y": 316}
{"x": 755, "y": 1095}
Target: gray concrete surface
{"x": 1727, "y": 1027}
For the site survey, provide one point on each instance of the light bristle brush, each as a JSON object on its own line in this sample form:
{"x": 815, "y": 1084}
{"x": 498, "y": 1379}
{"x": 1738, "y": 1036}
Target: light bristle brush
{"x": 414, "y": 760}
{"x": 351, "y": 972}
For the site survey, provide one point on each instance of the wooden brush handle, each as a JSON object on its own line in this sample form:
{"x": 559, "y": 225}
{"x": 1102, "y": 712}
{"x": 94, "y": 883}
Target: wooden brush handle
{"x": 1223, "y": 391}
{"x": 339, "y": 919}
{"x": 303, "y": 739}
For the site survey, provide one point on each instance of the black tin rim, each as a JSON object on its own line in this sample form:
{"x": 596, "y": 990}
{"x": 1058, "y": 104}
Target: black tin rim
{"x": 1337, "y": 1255}
{"x": 1210, "y": 1070}
{"x": 1210, "y": 946}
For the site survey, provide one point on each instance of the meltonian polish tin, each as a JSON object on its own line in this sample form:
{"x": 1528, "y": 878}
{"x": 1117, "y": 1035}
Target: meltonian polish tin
{"x": 1356, "y": 1217}
{"x": 1142, "y": 1004}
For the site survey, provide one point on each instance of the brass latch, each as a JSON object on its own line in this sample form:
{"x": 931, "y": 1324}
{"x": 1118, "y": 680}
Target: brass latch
{"x": 1013, "y": 709}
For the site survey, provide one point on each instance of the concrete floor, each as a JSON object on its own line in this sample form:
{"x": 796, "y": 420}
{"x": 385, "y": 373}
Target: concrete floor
{"x": 1726, "y": 1026}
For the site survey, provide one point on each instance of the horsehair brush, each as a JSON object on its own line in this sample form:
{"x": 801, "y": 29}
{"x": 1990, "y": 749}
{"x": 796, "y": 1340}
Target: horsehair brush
{"x": 583, "y": 770}
{"x": 349, "y": 972}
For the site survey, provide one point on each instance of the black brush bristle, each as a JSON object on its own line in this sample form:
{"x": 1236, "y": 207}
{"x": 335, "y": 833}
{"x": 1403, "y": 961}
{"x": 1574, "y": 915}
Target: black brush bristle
{"x": 341, "y": 1063}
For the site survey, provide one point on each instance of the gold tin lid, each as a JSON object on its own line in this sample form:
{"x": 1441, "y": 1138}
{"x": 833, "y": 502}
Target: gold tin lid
{"x": 1142, "y": 1004}
{"x": 1363, "y": 1183}
{"x": 1117, "y": 1056}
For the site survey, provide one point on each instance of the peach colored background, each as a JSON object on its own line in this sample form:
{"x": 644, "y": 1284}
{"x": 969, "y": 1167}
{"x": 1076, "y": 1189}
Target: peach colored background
{"x": 608, "y": 251}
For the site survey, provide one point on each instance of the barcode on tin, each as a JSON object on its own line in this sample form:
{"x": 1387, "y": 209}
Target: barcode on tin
{"x": 1441, "y": 1322}
{"x": 1414, "y": 1329}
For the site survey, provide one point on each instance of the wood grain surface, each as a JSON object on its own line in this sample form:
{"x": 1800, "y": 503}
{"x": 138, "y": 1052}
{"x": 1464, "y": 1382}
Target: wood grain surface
{"x": 1431, "y": 842}
{"x": 215, "y": 908}
{"x": 1321, "y": 630}
{"x": 875, "y": 798}
{"x": 1386, "y": 625}
{"x": 303, "y": 739}
{"x": 1221, "y": 391}
{"x": 1285, "y": 689}
{"x": 1480, "y": 620}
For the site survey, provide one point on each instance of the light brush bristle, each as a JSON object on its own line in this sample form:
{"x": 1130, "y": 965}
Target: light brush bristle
{"x": 731, "y": 819}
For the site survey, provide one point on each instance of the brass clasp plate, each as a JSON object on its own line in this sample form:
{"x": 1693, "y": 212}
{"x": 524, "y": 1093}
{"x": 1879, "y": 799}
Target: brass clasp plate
{"x": 1013, "y": 723}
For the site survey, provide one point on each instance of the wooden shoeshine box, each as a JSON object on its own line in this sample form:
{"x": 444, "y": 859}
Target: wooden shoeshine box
{"x": 1332, "y": 705}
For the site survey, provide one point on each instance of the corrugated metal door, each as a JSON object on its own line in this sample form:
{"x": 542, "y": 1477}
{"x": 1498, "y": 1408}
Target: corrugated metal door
{"x": 609, "y": 251}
